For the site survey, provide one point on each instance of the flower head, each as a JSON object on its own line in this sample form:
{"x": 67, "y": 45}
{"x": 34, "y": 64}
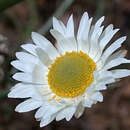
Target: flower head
{"x": 61, "y": 81}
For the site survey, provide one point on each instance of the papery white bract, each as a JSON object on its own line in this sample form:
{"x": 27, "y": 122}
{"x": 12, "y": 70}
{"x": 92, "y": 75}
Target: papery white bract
{"x": 83, "y": 58}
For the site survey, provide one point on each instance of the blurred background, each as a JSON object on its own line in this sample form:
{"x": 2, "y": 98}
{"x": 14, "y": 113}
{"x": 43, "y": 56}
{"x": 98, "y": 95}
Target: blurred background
{"x": 18, "y": 18}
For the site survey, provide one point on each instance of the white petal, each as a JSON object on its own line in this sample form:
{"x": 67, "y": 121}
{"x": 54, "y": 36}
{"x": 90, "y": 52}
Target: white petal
{"x": 83, "y": 33}
{"x": 21, "y": 90}
{"x": 83, "y": 41}
{"x": 66, "y": 113}
{"x": 87, "y": 102}
{"x": 97, "y": 96}
{"x": 97, "y": 29}
{"x": 30, "y": 48}
{"x": 46, "y": 121}
{"x": 28, "y": 105}
{"x": 105, "y": 40}
{"x": 36, "y": 75}
{"x": 96, "y": 33}
{"x": 45, "y": 45}
{"x": 58, "y": 26}
{"x": 26, "y": 57}
{"x": 120, "y": 73}
{"x": 39, "y": 113}
{"x": 118, "y": 54}
{"x": 49, "y": 114}
{"x": 79, "y": 111}
{"x": 70, "y": 113}
{"x": 99, "y": 22}
{"x": 115, "y": 62}
{"x": 42, "y": 110}
{"x": 84, "y": 27}
{"x": 43, "y": 56}
{"x": 98, "y": 53}
{"x": 113, "y": 47}
{"x": 108, "y": 80}
{"x": 61, "y": 115}
{"x": 50, "y": 111}
{"x": 104, "y": 77}
{"x": 64, "y": 44}
{"x": 83, "y": 46}
{"x": 25, "y": 77}
{"x": 39, "y": 74}
{"x": 57, "y": 35}
{"x": 102, "y": 74}
{"x": 108, "y": 29}
{"x": 64, "y": 27}
{"x": 25, "y": 67}
{"x": 94, "y": 47}
{"x": 100, "y": 87}
{"x": 70, "y": 27}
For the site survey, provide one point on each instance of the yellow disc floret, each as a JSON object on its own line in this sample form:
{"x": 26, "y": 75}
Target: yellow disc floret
{"x": 70, "y": 74}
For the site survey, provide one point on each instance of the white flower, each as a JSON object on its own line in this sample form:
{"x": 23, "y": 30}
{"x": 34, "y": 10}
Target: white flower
{"x": 62, "y": 81}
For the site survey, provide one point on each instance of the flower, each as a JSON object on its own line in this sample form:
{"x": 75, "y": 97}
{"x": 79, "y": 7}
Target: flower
{"x": 62, "y": 81}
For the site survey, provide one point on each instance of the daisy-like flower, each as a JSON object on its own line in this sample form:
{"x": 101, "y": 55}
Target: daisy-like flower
{"x": 61, "y": 81}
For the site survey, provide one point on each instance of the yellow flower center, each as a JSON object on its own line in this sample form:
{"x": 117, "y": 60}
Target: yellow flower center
{"x": 70, "y": 74}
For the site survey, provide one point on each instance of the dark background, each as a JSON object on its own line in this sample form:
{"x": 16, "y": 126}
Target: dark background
{"x": 18, "y": 18}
